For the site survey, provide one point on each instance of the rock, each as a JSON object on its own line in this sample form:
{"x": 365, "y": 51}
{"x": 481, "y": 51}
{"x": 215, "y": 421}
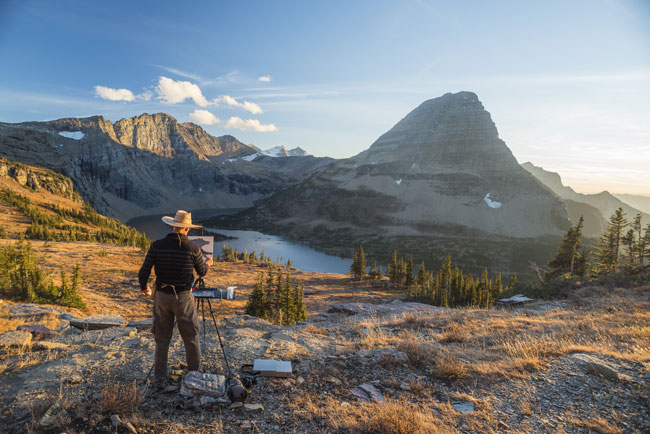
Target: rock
{"x": 405, "y": 386}
{"x": 253, "y": 407}
{"x": 15, "y": 339}
{"x": 503, "y": 425}
{"x": 131, "y": 428}
{"x": 30, "y": 310}
{"x": 515, "y": 299}
{"x": 47, "y": 345}
{"x": 49, "y": 418}
{"x": 116, "y": 421}
{"x": 368, "y": 393}
{"x": 98, "y": 322}
{"x": 345, "y": 404}
{"x": 463, "y": 407}
{"x": 597, "y": 366}
{"x": 141, "y": 325}
{"x": 38, "y": 331}
{"x": 235, "y": 405}
{"x": 334, "y": 380}
{"x": 397, "y": 307}
{"x": 300, "y": 380}
{"x": 246, "y": 424}
{"x": 63, "y": 326}
{"x": 379, "y": 353}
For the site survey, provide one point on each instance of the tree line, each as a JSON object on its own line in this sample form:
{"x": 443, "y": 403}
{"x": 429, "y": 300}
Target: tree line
{"x": 232, "y": 254}
{"x": 278, "y": 298}
{"x": 53, "y": 227}
{"x": 448, "y": 287}
{"x": 624, "y": 247}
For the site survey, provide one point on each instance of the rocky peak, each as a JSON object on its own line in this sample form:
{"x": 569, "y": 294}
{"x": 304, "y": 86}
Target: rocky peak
{"x": 450, "y": 132}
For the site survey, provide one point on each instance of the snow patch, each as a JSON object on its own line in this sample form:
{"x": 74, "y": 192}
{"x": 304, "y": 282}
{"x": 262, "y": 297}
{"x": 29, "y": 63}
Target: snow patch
{"x": 490, "y": 202}
{"x": 250, "y": 157}
{"x": 76, "y": 135}
{"x": 415, "y": 166}
{"x": 277, "y": 151}
{"x": 231, "y": 160}
{"x": 399, "y": 181}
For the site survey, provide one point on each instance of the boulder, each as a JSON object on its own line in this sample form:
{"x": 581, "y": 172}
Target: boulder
{"x": 15, "y": 339}
{"x": 47, "y": 345}
{"x": 463, "y": 407}
{"x": 368, "y": 393}
{"x": 597, "y": 366}
{"x": 38, "y": 331}
{"x": 98, "y": 322}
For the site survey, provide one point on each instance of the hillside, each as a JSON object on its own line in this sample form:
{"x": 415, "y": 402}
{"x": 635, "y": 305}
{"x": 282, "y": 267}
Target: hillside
{"x": 637, "y": 201}
{"x": 579, "y": 365}
{"x": 151, "y": 164}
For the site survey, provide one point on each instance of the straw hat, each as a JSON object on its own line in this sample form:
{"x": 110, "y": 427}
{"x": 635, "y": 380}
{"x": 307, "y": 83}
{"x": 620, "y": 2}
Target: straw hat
{"x": 183, "y": 219}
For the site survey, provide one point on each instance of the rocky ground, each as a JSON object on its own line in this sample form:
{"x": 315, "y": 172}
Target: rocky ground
{"x": 580, "y": 365}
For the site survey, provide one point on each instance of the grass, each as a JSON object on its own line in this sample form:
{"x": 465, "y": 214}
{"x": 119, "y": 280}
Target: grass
{"x": 118, "y": 398}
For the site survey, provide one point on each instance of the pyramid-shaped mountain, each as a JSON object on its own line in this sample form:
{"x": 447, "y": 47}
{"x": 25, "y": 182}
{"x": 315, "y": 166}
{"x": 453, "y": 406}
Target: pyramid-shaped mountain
{"x": 443, "y": 168}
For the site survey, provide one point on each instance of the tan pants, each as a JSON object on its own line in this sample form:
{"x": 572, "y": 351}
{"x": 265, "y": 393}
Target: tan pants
{"x": 166, "y": 307}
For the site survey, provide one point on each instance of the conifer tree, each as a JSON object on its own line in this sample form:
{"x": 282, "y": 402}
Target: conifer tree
{"x": 567, "y": 255}
{"x": 258, "y": 301}
{"x": 409, "y": 280}
{"x": 607, "y": 248}
{"x": 358, "y": 266}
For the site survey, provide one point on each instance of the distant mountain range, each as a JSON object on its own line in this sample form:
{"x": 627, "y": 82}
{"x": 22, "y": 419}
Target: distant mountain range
{"x": 596, "y": 208}
{"x": 152, "y": 164}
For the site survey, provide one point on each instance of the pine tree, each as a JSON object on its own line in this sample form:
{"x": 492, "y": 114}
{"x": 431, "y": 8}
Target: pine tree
{"x": 606, "y": 250}
{"x": 358, "y": 267}
{"x": 567, "y": 254}
{"x": 512, "y": 281}
{"x": 409, "y": 280}
{"x": 258, "y": 301}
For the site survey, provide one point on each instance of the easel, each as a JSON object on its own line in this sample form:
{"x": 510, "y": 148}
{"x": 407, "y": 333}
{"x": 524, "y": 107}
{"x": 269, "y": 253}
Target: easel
{"x": 200, "y": 305}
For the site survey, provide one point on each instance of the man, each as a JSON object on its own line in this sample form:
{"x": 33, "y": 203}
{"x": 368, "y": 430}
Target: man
{"x": 175, "y": 258}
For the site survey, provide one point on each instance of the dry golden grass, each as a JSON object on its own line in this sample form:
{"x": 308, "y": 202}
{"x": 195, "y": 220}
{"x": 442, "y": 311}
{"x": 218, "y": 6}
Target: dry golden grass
{"x": 448, "y": 367}
{"x": 597, "y": 424}
{"x": 118, "y": 398}
{"x": 310, "y": 328}
{"x": 393, "y": 417}
{"x": 7, "y": 323}
{"x": 419, "y": 355}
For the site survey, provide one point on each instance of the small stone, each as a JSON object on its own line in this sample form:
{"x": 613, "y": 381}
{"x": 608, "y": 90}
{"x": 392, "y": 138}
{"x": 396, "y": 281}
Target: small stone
{"x": 38, "y": 331}
{"x": 48, "y": 418}
{"x": 253, "y": 407}
{"x": 131, "y": 428}
{"x": 300, "y": 380}
{"x": 463, "y": 407}
{"x": 116, "y": 421}
{"x": 235, "y": 405}
{"x": 335, "y": 380}
{"x": 246, "y": 424}
{"x": 405, "y": 386}
{"x": 345, "y": 404}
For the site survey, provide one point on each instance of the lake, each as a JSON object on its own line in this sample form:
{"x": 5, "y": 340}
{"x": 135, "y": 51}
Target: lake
{"x": 302, "y": 256}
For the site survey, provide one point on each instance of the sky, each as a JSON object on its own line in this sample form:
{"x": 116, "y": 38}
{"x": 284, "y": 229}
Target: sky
{"x": 566, "y": 82}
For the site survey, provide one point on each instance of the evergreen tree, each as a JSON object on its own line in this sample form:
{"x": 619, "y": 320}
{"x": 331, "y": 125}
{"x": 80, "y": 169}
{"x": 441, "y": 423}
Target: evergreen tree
{"x": 567, "y": 254}
{"x": 512, "y": 281}
{"x": 358, "y": 267}
{"x": 606, "y": 250}
{"x": 258, "y": 301}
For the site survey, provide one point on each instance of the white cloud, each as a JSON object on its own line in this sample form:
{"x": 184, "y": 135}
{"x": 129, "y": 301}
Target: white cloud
{"x": 265, "y": 78}
{"x": 246, "y": 105}
{"x": 114, "y": 94}
{"x": 204, "y": 117}
{"x": 173, "y": 92}
{"x": 249, "y": 125}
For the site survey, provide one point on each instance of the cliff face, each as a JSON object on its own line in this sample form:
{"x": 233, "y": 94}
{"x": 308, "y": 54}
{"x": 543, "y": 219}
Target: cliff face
{"x": 149, "y": 164}
{"x": 442, "y": 165}
{"x": 38, "y": 179}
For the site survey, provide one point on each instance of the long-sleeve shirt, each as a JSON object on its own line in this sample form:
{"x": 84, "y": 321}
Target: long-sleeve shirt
{"x": 174, "y": 258}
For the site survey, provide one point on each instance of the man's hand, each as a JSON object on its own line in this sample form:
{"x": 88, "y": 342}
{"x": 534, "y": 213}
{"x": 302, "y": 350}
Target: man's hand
{"x": 146, "y": 292}
{"x": 209, "y": 262}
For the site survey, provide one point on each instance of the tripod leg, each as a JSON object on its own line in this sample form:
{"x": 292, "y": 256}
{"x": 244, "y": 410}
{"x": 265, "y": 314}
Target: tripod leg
{"x": 202, "y": 304}
{"x": 223, "y": 350}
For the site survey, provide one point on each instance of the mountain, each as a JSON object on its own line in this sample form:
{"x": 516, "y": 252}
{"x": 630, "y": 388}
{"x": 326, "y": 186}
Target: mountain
{"x": 637, "y": 201}
{"x": 281, "y": 151}
{"x": 442, "y": 171}
{"x": 597, "y": 208}
{"x": 151, "y": 164}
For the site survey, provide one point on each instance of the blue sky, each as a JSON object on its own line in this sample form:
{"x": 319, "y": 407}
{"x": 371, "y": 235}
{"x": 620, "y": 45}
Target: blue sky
{"x": 567, "y": 82}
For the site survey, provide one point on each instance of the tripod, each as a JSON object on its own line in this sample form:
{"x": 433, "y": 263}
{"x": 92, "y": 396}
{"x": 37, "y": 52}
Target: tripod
{"x": 200, "y": 305}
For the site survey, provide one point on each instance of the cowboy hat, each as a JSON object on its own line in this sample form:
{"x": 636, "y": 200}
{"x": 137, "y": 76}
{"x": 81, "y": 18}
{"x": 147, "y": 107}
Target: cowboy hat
{"x": 183, "y": 219}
